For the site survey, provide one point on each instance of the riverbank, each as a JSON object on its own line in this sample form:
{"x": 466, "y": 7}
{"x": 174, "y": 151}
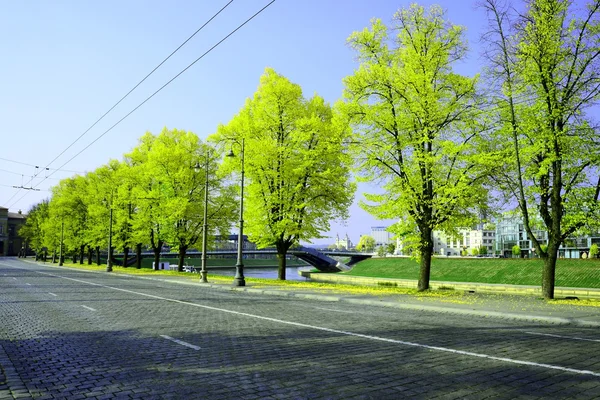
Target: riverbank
{"x": 572, "y": 273}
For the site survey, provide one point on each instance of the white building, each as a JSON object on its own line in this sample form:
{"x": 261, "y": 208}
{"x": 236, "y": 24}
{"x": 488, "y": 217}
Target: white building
{"x": 344, "y": 243}
{"x": 381, "y": 235}
{"x": 466, "y": 241}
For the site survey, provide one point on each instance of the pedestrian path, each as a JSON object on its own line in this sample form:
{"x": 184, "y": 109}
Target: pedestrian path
{"x": 508, "y": 301}
{"x": 508, "y": 306}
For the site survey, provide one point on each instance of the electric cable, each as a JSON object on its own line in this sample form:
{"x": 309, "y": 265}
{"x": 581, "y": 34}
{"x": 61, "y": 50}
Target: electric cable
{"x": 154, "y": 94}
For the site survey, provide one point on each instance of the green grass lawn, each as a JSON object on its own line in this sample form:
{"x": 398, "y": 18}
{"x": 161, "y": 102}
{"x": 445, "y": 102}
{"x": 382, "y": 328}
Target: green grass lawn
{"x": 569, "y": 272}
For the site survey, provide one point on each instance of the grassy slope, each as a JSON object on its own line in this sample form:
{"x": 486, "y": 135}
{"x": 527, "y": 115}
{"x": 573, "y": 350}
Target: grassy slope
{"x": 569, "y": 272}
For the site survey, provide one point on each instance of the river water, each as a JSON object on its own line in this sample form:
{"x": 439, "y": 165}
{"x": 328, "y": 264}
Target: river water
{"x": 291, "y": 273}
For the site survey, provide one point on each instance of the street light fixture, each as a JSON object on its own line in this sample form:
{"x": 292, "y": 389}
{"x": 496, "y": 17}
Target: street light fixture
{"x": 60, "y": 254}
{"x": 203, "y": 271}
{"x": 238, "y": 279}
{"x": 109, "y": 263}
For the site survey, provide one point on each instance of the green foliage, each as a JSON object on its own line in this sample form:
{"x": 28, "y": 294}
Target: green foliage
{"x": 366, "y": 243}
{"x": 32, "y": 231}
{"x": 390, "y": 248}
{"x": 482, "y": 251}
{"x": 594, "y": 251}
{"x": 381, "y": 251}
{"x": 546, "y": 66}
{"x": 516, "y": 250}
{"x": 297, "y": 171}
{"x": 413, "y": 123}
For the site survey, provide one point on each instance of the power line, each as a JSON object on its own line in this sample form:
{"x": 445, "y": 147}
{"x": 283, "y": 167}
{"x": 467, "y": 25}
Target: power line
{"x": 37, "y": 166}
{"x": 156, "y": 92}
{"x": 125, "y": 96}
{"x": 142, "y": 81}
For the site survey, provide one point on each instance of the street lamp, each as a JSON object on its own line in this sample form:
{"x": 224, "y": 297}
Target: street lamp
{"x": 60, "y": 254}
{"x": 109, "y": 263}
{"x": 238, "y": 279}
{"x": 203, "y": 272}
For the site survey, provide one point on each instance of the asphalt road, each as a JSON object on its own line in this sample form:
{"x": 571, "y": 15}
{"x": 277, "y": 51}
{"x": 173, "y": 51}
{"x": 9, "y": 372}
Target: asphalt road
{"x": 73, "y": 334}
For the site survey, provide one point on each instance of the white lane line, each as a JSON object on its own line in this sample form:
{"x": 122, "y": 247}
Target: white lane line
{"x": 562, "y": 337}
{"x": 89, "y": 308}
{"x": 28, "y": 284}
{"x": 181, "y": 342}
{"x": 52, "y": 294}
{"x": 340, "y": 332}
{"x": 333, "y": 309}
{"x": 14, "y": 278}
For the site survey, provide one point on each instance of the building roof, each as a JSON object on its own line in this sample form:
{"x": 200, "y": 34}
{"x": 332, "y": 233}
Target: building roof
{"x": 16, "y": 215}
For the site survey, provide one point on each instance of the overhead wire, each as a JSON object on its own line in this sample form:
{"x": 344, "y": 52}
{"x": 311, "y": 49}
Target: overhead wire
{"x": 157, "y": 91}
{"x": 125, "y": 96}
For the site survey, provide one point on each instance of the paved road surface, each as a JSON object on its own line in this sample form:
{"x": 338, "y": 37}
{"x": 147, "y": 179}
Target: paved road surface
{"x": 74, "y": 334}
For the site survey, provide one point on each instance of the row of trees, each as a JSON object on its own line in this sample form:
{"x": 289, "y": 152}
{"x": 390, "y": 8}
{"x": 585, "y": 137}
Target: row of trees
{"x": 297, "y": 180}
{"x": 436, "y": 139}
{"x": 153, "y": 197}
{"x": 437, "y": 142}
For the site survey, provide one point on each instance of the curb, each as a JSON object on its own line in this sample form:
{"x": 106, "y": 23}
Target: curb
{"x": 380, "y": 303}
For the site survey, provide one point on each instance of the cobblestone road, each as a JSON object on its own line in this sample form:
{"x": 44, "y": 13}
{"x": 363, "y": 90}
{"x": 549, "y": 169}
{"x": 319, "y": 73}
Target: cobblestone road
{"x": 75, "y": 335}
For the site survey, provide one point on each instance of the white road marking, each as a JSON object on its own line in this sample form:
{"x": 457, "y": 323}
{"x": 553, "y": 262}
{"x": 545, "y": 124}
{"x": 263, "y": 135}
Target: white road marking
{"x": 14, "y": 278}
{"x": 89, "y": 308}
{"x": 181, "y": 342}
{"x": 332, "y": 309}
{"x": 52, "y": 294}
{"x": 28, "y": 284}
{"x": 562, "y": 337}
{"x": 340, "y": 332}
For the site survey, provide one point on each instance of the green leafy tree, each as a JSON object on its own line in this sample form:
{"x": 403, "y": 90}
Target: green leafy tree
{"x": 547, "y": 66}
{"x": 32, "y": 231}
{"x": 516, "y": 250}
{"x": 412, "y": 119}
{"x": 69, "y": 201}
{"x": 365, "y": 243}
{"x": 295, "y": 164}
{"x": 594, "y": 251}
{"x": 381, "y": 251}
{"x": 390, "y": 248}
{"x": 483, "y": 250}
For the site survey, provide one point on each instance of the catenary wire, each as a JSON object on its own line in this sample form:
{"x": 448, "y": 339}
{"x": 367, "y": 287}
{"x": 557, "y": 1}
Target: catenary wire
{"x": 155, "y": 93}
{"x": 127, "y": 94}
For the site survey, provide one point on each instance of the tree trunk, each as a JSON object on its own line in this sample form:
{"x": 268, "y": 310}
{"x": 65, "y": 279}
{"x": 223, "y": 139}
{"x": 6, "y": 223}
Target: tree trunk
{"x": 53, "y": 256}
{"x": 45, "y": 255}
{"x": 182, "y": 252}
{"x": 138, "y": 256}
{"x": 426, "y": 253}
{"x": 97, "y": 255}
{"x": 125, "y": 256}
{"x": 90, "y": 255}
{"x": 156, "y": 250}
{"x": 75, "y": 257}
{"x": 549, "y": 271}
{"x": 81, "y": 253}
{"x": 282, "y": 249}
{"x": 282, "y": 262}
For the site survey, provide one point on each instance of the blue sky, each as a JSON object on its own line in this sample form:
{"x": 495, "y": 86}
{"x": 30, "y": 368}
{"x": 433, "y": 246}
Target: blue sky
{"x": 67, "y": 62}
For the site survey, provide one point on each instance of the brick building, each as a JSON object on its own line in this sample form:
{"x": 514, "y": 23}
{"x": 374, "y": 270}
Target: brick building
{"x": 10, "y": 241}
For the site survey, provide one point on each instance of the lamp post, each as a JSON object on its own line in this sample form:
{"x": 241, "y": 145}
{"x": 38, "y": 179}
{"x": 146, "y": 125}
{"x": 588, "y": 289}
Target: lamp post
{"x": 238, "y": 279}
{"x": 203, "y": 271}
{"x": 60, "y": 254}
{"x": 109, "y": 263}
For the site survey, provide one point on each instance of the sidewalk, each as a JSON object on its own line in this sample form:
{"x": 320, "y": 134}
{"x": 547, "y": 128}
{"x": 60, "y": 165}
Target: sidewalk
{"x": 527, "y": 305}
{"x": 507, "y": 306}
